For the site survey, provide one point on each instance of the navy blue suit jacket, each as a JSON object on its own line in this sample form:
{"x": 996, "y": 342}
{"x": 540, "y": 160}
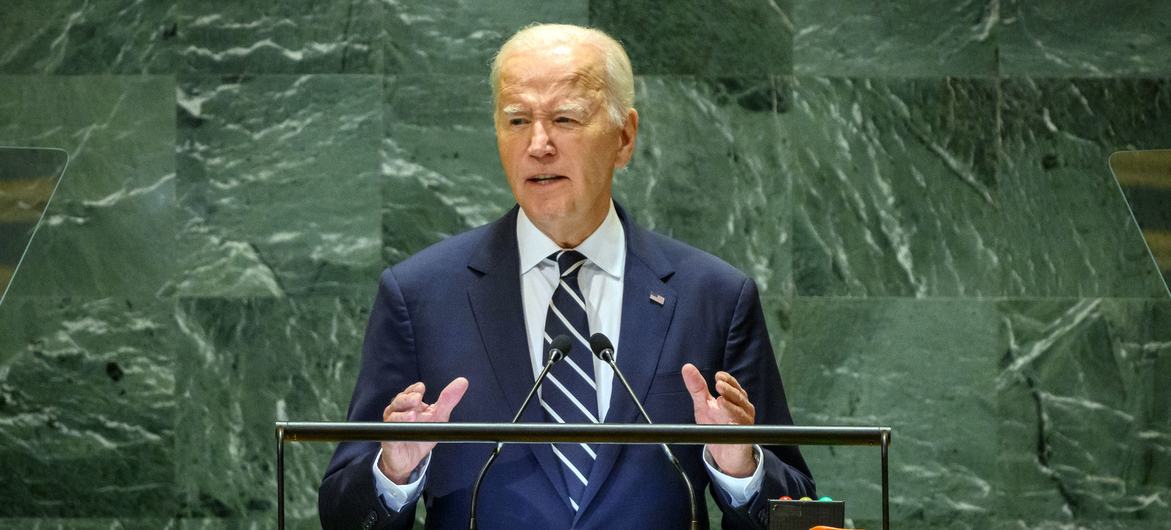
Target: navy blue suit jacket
{"x": 455, "y": 309}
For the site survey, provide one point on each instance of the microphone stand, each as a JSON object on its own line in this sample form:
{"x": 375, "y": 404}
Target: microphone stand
{"x": 555, "y": 354}
{"x": 607, "y": 356}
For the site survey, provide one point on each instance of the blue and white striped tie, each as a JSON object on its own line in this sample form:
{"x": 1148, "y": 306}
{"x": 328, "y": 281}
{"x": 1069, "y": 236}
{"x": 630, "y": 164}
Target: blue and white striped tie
{"x": 571, "y": 395}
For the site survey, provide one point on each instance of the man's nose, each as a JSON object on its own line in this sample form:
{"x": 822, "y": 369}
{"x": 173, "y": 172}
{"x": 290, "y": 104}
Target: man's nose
{"x": 539, "y": 144}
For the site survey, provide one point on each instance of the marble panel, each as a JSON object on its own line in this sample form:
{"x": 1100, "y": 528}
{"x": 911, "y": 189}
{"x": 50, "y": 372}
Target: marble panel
{"x": 1067, "y": 228}
{"x": 425, "y": 37}
{"x": 109, "y": 230}
{"x": 698, "y": 37}
{"x": 288, "y": 37}
{"x": 125, "y": 523}
{"x": 909, "y": 38}
{"x": 440, "y": 164}
{"x": 708, "y": 170}
{"x": 256, "y": 361}
{"x": 1085, "y": 437}
{"x": 1089, "y": 38}
{"x": 278, "y": 176}
{"x": 71, "y": 37}
{"x": 87, "y": 407}
{"x": 925, "y": 368}
{"x": 242, "y": 523}
{"x": 895, "y": 188}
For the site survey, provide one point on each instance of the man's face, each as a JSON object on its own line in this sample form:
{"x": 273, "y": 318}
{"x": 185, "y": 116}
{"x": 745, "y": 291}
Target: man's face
{"x": 557, "y": 144}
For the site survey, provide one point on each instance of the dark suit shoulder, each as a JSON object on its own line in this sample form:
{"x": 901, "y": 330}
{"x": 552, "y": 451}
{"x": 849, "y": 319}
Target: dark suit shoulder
{"x": 695, "y": 264}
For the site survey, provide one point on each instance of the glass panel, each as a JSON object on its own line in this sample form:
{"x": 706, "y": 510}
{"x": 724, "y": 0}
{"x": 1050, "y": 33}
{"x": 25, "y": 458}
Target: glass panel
{"x": 1145, "y": 179}
{"x": 28, "y": 178}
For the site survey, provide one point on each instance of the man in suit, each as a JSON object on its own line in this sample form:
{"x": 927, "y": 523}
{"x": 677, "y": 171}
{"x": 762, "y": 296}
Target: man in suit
{"x": 458, "y": 332}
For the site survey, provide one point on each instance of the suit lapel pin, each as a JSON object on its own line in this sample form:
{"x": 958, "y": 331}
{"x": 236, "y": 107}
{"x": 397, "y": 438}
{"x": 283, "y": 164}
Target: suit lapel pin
{"x": 658, "y": 298}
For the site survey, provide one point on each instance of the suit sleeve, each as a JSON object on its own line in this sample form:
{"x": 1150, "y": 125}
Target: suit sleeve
{"x": 347, "y": 497}
{"x": 748, "y": 356}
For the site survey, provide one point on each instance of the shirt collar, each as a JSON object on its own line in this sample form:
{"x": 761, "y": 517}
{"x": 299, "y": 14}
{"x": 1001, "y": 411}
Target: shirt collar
{"x": 605, "y": 248}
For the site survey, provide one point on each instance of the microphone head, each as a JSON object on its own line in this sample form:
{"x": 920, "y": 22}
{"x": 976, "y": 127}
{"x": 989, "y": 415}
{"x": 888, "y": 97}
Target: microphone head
{"x": 560, "y": 347}
{"x": 601, "y": 346}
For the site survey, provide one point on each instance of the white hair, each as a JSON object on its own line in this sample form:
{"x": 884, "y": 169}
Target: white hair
{"x": 618, "y": 76}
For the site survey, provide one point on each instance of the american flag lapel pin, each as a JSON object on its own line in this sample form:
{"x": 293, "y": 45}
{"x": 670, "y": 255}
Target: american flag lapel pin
{"x": 658, "y": 298}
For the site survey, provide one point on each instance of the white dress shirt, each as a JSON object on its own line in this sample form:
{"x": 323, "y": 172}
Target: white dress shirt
{"x": 600, "y": 280}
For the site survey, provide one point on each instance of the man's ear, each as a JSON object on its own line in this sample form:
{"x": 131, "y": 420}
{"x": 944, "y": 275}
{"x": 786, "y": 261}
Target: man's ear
{"x": 627, "y": 136}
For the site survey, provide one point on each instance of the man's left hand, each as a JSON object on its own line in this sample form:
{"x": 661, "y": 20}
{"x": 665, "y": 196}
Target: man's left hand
{"x": 731, "y": 407}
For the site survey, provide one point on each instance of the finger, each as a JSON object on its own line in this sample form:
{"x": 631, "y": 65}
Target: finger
{"x": 402, "y": 417}
{"x": 399, "y": 407}
{"x": 732, "y": 393}
{"x": 449, "y": 398}
{"x": 411, "y": 398}
{"x": 744, "y": 412}
{"x": 406, "y": 401}
{"x": 728, "y": 378}
{"x": 734, "y": 413}
{"x": 696, "y": 386}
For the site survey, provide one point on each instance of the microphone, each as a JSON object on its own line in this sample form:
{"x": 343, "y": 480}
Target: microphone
{"x": 558, "y": 349}
{"x": 604, "y": 350}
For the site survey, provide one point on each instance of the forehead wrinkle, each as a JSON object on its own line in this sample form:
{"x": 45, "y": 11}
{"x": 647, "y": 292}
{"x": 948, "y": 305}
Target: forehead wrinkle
{"x": 585, "y": 78}
{"x": 578, "y": 88}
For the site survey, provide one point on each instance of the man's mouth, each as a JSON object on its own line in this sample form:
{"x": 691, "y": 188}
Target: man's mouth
{"x": 545, "y": 179}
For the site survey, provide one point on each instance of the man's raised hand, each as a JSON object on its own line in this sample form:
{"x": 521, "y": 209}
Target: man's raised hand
{"x": 731, "y": 407}
{"x": 399, "y": 459}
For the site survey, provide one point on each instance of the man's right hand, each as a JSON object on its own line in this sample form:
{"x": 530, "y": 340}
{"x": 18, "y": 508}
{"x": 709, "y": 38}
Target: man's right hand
{"x": 399, "y": 459}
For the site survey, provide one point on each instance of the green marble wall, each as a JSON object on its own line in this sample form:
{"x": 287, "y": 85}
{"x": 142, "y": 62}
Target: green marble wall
{"x": 920, "y": 188}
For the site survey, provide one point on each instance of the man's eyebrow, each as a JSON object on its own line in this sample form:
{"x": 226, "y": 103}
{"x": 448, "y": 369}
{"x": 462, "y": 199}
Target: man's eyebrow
{"x": 513, "y": 109}
{"x": 571, "y": 107}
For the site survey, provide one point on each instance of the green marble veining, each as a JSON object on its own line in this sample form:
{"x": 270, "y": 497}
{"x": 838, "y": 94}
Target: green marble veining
{"x": 278, "y": 178}
{"x": 926, "y": 368}
{"x": 110, "y": 228}
{"x": 1067, "y": 229}
{"x": 288, "y": 37}
{"x": 98, "y": 37}
{"x": 1088, "y": 38}
{"x": 87, "y": 405}
{"x": 253, "y": 362}
{"x": 697, "y": 37}
{"x": 90, "y": 523}
{"x": 1086, "y": 410}
{"x": 441, "y": 169}
{"x": 909, "y": 38}
{"x": 1006, "y": 413}
{"x": 708, "y": 170}
{"x": 426, "y": 37}
{"x": 895, "y": 190}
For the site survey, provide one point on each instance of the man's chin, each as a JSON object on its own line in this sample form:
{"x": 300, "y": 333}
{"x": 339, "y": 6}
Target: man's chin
{"x": 548, "y": 214}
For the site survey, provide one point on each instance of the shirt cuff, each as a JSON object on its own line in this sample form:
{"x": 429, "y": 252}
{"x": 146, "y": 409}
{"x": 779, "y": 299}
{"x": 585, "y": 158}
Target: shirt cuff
{"x": 394, "y": 496}
{"x": 739, "y": 490}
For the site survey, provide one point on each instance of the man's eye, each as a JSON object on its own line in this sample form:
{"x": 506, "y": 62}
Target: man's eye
{"x": 564, "y": 119}
{"x": 517, "y": 121}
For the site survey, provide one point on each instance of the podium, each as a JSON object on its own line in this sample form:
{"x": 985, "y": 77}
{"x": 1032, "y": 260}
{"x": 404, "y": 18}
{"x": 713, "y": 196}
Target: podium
{"x": 287, "y": 431}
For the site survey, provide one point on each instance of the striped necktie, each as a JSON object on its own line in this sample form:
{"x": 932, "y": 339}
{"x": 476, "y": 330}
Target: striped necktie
{"x": 571, "y": 395}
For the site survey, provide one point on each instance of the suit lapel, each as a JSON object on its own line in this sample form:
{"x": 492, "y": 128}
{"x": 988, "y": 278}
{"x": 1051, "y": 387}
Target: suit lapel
{"x": 496, "y": 303}
{"x": 644, "y": 328}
